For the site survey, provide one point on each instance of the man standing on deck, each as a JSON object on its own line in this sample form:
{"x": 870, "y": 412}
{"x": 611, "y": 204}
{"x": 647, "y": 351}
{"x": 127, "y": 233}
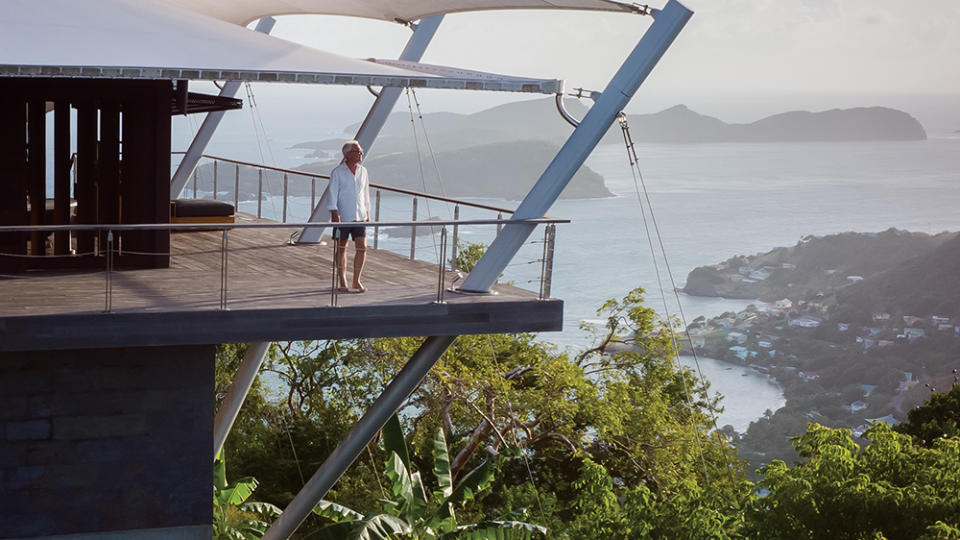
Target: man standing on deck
{"x": 350, "y": 202}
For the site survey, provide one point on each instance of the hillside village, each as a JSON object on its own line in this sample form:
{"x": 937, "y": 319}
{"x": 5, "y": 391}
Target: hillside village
{"x": 838, "y": 365}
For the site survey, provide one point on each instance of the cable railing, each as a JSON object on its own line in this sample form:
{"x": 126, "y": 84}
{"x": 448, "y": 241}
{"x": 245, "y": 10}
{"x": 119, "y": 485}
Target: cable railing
{"x": 114, "y": 249}
{"x": 222, "y": 175}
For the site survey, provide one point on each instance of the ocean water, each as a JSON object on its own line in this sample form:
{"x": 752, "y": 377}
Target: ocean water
{"x": 711, "y": 202}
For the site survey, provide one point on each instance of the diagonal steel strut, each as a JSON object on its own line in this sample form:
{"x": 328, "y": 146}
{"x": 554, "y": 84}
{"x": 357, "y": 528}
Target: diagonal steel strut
{"x": 210, "y": 124}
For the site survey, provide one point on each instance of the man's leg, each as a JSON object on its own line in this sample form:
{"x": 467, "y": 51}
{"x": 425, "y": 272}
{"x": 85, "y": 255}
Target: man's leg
{"x": 342, "y": 264}
{"x": 358, "y": 260}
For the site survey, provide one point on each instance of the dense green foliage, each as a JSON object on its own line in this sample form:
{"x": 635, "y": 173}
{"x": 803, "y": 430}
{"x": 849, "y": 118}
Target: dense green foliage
{"x": 612, "y": 442}
{"x": 893, "y": 488}
{"x": 938, "y": 418}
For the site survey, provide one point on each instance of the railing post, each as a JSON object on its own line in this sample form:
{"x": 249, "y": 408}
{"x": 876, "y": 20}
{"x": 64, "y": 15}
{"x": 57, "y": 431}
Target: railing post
{"x": 313, "y": 192}
{"x": 336, "y": 261}
{"x": 259, "y": 193}
{"x": 548, "y": 264}
{"x": 194, "y": 183}
{"x": 215, "y": 163}
{"x": 284, "y": 198}
{"x": 223, "y": 270}
{"x": 499, "y": 225}
{"x": 236, "y": 190}
{"x": 413, "y": 231}
{"x": 543, "y": 258}
{"x": 376, "y": 217}
{"x": 456, "y": 236}
{"x": 442, "y": 265}
{"x": 108, "y": 294}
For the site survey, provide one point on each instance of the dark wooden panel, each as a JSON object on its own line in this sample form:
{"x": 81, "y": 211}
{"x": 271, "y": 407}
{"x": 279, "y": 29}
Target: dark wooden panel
{"x": 61, "y": 175}
{"x": 13, "y": 180}
{"x": 86, "y": 188}
{"x": 109, "y": 163}
{"x": 145, "y": 177}
{"x": 37, "y": 169}
{"x": 160, "y": 179}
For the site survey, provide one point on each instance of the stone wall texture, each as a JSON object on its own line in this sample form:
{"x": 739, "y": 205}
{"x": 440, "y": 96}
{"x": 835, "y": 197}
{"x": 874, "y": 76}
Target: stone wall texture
{"x": 99, "y": 440}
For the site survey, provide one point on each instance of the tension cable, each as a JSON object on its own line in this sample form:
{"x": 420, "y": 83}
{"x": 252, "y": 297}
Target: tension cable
{"x": 640, "y": 185}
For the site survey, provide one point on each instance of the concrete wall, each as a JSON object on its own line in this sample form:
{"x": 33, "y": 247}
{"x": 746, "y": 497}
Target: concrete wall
{"x": 101, "y": 440}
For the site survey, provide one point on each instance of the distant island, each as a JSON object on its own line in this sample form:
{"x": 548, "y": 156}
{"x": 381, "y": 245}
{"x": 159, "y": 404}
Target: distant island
{"x": 495, "y": 170}
{"x": 500, "y": 152}
{"x": 857, "y": 327}
{"x": 539, "y": 120}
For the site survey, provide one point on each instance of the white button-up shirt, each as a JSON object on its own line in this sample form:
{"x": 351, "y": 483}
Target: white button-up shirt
{"x": 350, "y": 193}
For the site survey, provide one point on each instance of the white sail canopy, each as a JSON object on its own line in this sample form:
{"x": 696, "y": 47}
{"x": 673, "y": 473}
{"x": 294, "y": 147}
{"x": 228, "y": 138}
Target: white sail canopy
{"x": 245, "y": 11}
{"x": 151, "y": 39}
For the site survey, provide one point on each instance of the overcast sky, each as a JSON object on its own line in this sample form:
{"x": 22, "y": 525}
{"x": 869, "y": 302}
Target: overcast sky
{"x": 738, "y": 60}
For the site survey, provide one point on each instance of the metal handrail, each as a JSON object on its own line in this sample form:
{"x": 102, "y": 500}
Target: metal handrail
{"x": 392, "y": 189}
{"x": 222, "y": 226}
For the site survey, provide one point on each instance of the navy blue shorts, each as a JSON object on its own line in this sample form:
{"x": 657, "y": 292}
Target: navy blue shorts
{"x": 346, "y": 233}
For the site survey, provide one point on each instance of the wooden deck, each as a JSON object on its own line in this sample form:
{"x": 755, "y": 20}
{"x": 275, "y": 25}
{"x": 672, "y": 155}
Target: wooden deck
{"x": 275, "y": 291}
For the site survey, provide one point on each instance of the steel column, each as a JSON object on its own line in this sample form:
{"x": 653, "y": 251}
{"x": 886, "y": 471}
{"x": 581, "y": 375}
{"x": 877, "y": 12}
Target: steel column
{"x": 237, "y": 392}
{"x": 359, "y": 437}
{"x": 376, "y": 117}
{"x": 210, "y": 123}
{"x": 666, "y": 25}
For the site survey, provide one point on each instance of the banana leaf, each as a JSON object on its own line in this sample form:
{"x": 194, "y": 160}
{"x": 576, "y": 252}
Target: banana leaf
{"x": 394, "y": 441}
{"x": 377, "y": 527}
{"x": 497, "y": 530}
{"x": 336, "y": 512}
{"x": 239, "y": 492}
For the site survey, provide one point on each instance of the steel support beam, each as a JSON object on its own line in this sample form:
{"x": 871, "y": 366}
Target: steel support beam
{"x": 237, "y": 393}
{"x": 376, "y": 117}
{"x": 210, "y": 123}
{"x": 359, "y": 437}
{"x": 667, "y": 24}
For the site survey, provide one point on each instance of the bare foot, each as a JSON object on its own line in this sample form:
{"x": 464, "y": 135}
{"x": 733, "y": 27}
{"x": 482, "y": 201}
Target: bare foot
{"x": 343, "y": 288}
{"x": 359, "y": 287}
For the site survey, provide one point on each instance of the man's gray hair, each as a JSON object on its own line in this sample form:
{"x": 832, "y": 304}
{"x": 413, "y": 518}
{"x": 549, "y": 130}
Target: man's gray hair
{"x": 349, "y": 144}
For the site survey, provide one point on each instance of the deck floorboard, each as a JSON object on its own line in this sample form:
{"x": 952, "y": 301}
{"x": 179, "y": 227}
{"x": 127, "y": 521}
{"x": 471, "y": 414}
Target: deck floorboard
{"x": 265, "y": 274}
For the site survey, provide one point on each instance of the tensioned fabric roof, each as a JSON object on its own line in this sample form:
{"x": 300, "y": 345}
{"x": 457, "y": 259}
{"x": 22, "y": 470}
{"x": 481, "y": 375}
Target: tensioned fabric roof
{"x": 151, "y": 39}
{"x": 245, "y": 11}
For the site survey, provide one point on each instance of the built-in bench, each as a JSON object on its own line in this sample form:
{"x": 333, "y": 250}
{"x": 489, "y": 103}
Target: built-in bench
{"x": 201, "y": 211}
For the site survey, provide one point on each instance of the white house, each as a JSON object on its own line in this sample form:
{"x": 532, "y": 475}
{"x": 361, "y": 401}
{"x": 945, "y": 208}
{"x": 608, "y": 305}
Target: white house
{"x": 739, "y": 337}
{"x": 783, "y": 304}
{"x": 805, "y": 322}
{"x": 914, "y": 333}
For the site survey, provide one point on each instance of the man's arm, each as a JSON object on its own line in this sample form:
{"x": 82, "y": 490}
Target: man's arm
{"x": 366, "y": 192}
{"x": 334, "y": 191}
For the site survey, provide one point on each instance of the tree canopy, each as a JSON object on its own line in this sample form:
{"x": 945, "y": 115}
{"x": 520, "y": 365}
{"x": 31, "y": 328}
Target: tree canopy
{"x": 614, "y": 441}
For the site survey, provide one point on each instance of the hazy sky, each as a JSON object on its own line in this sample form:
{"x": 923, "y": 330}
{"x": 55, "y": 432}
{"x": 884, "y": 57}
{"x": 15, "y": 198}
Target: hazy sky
{"x": 738, "y": 60}
{"x": 729, "y": 45}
